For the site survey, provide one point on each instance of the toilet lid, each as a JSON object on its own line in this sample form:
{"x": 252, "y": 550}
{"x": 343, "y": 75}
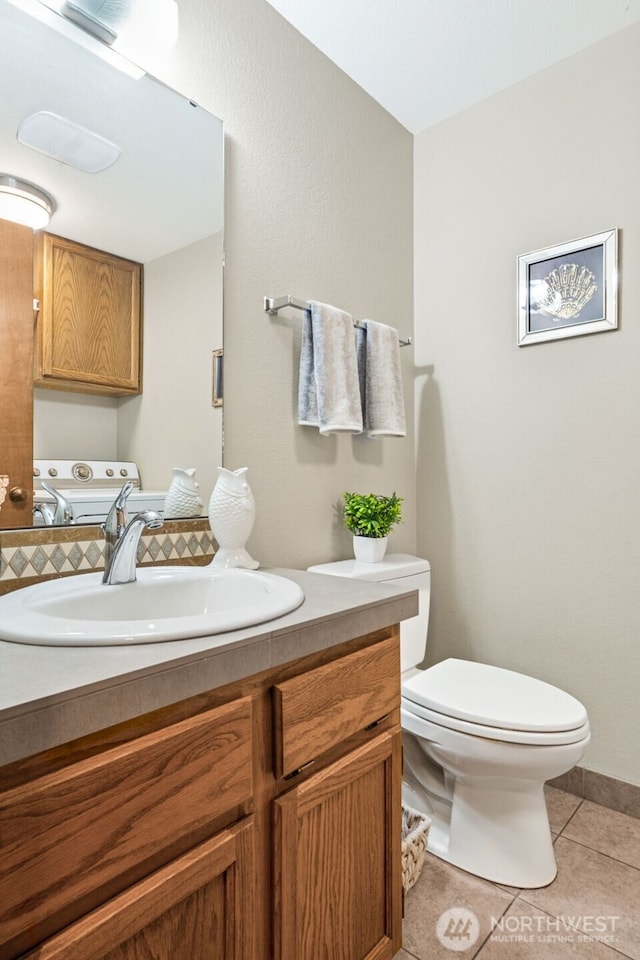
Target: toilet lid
{"x": 479, "y": 693}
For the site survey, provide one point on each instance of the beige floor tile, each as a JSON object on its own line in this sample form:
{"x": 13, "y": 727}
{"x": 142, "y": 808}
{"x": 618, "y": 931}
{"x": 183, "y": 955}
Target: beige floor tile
{"x": 610, "y": 832}
{"x": 560, "y": 806}
{"x": 527, "y": 933}
{"x": 440, "y": 888}
{"x": 591, "y": 885}
{"x": 403, "y": 955}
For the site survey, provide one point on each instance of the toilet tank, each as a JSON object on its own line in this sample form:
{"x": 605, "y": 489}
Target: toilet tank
{"x": 411, "y": 573}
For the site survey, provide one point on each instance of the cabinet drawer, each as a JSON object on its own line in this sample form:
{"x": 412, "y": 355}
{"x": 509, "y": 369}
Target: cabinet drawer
{"x": 318, "y": 709}
{"x": 72, "y": 837}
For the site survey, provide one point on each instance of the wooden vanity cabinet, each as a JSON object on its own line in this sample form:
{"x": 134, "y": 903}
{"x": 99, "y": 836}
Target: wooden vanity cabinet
{"x": 260, "y": 820}
{"x": 89, "y": 325}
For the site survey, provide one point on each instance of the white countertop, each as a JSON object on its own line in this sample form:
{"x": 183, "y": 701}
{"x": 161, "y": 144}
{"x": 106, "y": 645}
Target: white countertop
{"x": 51, "y": 695}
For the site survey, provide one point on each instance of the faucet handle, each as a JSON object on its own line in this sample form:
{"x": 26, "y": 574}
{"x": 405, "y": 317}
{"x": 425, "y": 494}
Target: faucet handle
{"x": 116, "y": 521}
{"x": 125, "y": 490}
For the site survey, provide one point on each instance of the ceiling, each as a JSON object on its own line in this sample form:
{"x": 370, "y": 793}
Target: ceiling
{"x": 424, "y": 60}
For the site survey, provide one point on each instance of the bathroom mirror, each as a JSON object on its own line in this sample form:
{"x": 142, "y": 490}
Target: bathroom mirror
{"x": 161, "y": 204}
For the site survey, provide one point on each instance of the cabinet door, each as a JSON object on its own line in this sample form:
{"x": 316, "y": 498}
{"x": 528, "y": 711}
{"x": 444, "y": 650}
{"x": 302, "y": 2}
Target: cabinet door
{"x": 16, "y": 374}
{"x": 89, "y": 327}
{"x": 338, "y": 884}
{"x": 193, "y": 909}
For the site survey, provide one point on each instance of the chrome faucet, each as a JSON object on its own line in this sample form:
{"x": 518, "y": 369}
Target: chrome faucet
{"x": 121, "y": 565}
{"x": 62, "y": 513}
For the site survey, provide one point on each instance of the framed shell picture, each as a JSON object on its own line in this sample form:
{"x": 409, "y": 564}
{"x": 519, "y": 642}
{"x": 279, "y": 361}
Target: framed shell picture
{"x": 568, "y": 290}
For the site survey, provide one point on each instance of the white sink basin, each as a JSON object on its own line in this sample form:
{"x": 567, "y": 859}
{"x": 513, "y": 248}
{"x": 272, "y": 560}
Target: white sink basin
{"x": 164, "y": 603}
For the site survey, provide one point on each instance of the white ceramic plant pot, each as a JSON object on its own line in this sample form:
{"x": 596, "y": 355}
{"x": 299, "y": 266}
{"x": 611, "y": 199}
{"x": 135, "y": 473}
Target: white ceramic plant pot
{"x": 369, "y": 549}
{"x": 232, "y": 511}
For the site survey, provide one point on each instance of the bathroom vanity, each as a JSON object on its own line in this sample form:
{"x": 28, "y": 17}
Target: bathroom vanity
{"x": 235, "y": 796}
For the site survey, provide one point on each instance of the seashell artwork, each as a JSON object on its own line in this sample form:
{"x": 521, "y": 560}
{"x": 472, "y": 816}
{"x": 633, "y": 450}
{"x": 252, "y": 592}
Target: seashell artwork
{"x": 565, "y": 291}
{"x": 4, "y": 483}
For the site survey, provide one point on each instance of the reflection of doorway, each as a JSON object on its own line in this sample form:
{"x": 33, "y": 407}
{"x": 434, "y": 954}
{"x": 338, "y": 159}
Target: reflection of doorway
{"x": 16, "y": 370}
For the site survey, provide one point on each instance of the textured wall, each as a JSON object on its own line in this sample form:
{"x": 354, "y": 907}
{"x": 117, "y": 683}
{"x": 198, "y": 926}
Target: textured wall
{"x": 529, "y": 458}
{"x": 319, "y": 205}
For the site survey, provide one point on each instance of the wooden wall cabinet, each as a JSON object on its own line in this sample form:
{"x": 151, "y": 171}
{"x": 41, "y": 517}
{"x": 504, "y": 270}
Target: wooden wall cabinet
{"x": 196, "y": 832}
{"x": 89, "y": 326}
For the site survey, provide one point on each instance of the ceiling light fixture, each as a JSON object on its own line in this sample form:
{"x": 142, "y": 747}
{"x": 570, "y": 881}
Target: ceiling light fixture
{"x": 23, "y": 202}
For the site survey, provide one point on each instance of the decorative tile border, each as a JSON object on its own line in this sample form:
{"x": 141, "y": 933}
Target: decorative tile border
{"x": 607, "y": 791}
{"x": 27, "y": 556}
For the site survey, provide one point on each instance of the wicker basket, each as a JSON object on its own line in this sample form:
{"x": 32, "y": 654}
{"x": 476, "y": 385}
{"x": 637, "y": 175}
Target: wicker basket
{"x": 415, "y": 830}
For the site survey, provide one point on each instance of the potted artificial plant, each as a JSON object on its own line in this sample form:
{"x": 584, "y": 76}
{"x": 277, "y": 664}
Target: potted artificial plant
{"x": 370, "y": 517}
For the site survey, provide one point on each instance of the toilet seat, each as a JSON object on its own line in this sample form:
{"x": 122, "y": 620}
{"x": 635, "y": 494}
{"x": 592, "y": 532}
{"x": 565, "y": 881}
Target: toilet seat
{"x": 415, "y": 713}
{"x": 491, "y": 702}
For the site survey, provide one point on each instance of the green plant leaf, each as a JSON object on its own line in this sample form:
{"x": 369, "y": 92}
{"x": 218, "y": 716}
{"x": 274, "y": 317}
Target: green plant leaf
{"x": 371, "y": 514}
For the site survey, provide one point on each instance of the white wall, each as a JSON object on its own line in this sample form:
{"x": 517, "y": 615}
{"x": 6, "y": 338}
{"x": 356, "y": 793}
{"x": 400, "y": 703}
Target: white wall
{"x": 318, "y": 203}
{"x": 173, "y": 423}
{"x": 529, "y": 458}
{"x": 71, "y": 425}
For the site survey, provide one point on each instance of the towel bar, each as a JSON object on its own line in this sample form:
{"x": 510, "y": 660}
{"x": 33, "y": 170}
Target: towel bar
{"x": 273, "y": 304}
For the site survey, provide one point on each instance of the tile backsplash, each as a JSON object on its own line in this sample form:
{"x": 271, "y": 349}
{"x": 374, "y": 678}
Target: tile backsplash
{"x": 27, "y": 556}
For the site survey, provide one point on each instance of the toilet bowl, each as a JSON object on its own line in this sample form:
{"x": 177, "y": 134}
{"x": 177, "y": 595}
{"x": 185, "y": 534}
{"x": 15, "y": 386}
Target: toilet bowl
{"x": 479, "y": 743}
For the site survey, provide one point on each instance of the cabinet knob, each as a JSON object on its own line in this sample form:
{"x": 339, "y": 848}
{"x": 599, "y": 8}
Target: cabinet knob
{"x": 18, "y": 494}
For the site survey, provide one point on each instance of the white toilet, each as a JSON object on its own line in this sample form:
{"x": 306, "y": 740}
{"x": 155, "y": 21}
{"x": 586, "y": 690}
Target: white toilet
{"x": 479, "y": 743}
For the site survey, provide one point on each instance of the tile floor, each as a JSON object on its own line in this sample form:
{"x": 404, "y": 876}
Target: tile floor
{"x": 591, "y": 910}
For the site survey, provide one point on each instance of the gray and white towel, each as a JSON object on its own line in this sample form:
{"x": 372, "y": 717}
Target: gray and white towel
{"x": 328, "y": 388}
{"x": 381, "y": 380}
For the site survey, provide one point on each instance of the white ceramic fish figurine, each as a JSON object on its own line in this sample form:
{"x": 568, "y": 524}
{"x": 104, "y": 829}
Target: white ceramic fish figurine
{"x": 232, "y": 513}
{"x": 182, "y": 498}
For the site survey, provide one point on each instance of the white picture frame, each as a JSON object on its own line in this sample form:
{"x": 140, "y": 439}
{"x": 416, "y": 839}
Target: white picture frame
{"x": 568, "y": 290}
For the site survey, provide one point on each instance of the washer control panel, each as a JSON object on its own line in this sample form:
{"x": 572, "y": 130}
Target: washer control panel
{"x": 68, "y": 474}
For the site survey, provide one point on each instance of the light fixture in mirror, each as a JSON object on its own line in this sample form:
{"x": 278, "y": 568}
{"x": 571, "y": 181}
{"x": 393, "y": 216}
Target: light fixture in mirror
{"x": 161, "y": 204}
{"x": 66, "y": 141}
{"x": 23, "y": 202}
{"x": 132, "y": 27}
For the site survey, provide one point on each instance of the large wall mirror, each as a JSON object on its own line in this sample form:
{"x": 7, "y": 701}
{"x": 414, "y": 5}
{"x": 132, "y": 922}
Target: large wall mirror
{"x": 161, "y": 204}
